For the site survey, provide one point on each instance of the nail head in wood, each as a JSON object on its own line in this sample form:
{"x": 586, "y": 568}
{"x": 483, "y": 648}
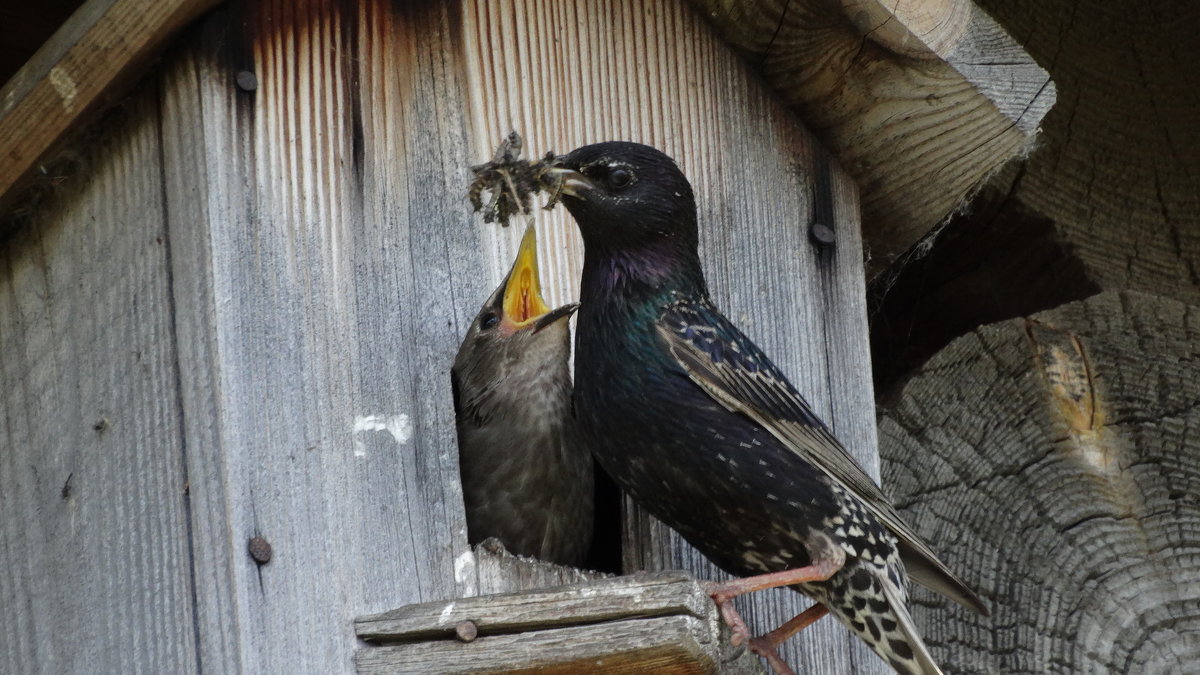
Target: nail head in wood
{"x": 260, "y": 550}
{"x": 101, "y": 424}
{"x": 821, "y": 234}
{"x": 466, "y": 631}
{"x": 246, "y": 80}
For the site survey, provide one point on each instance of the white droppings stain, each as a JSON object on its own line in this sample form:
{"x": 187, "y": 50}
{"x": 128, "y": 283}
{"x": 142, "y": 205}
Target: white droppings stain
{"x": 64, "y": 85}
{"x": 399, "y": 426}
{"x": 464, "y": 567}
{"x": 446, "y": 612}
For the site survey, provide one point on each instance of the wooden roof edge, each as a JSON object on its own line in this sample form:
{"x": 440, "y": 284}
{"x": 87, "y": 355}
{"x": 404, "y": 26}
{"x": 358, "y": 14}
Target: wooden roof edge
{"x": 921, "y": 100}
{"x": 100, "y": 49}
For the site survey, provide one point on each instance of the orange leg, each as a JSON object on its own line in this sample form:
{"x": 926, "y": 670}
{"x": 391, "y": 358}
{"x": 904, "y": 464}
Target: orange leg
{"x": 795, "y": 625}
{"x": 723, "y": 594}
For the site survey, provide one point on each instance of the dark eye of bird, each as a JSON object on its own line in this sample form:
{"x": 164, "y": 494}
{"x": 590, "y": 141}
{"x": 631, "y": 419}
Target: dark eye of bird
{"x": 489, "y": 320}
{"x": 619, "y": 178}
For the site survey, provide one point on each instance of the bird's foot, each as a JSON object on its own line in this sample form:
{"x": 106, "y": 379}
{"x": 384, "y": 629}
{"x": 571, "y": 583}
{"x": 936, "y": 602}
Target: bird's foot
{"x": 723, "y": 592}
{"x": 738, "y": 632}
{"x": 766, "y": 645}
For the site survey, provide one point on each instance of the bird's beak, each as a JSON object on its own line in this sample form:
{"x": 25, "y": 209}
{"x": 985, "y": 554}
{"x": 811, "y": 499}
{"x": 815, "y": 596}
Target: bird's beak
{"x": 554, "y": 316}
{"x": 568, "y": 182}
{"x": 523, "y": 304}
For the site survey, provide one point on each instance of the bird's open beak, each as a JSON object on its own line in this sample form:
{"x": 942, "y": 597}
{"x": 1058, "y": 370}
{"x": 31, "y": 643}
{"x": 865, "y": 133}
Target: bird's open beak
{"x": 523, "y": 304}
{"x": 568, "y": 182}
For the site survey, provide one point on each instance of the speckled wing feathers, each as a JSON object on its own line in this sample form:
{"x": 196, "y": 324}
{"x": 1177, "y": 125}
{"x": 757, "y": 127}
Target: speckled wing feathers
{"x": 738, "y": 375}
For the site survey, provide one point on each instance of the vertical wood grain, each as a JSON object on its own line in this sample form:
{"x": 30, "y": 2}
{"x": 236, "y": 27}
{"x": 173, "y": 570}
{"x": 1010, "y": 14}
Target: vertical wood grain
{"x": 323, "y": 267}
{"x": 94, "y": 540}
{"x": 569, "y": 73}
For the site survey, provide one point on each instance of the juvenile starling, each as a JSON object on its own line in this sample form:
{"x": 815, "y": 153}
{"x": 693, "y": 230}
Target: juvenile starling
{"x": 702, "y": 429}
{"x": 526, "y": 477}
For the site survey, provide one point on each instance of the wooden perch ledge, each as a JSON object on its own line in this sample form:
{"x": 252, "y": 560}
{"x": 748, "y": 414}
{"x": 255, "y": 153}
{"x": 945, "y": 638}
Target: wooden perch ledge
{"x": 660, "y": 622}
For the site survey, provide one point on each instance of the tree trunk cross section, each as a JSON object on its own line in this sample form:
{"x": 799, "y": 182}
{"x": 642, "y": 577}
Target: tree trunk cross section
{"x": 1057, "y": 457}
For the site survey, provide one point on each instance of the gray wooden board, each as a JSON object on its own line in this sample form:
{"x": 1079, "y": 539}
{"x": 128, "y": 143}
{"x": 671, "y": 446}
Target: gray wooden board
{"x": 94, "y": 542}
{"x": 319, "y": 248}
{"x": 668, "y": 644}
{"x": 502, "y": 572}
{"x": 637, "y": 596}
{"x": 653, "y": 622}
{"x": 1056, "y": 459}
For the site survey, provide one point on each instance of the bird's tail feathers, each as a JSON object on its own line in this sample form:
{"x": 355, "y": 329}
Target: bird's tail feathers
{"x": 922, "y": 660}
{"x": 875, "y": 609}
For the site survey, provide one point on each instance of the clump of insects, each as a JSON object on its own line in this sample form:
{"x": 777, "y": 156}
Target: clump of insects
{"x": 512, "y": 182}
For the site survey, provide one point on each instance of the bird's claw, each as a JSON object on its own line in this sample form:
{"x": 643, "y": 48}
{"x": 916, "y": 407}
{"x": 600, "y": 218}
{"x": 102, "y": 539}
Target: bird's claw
{"x": 766, "y": 649}
{"x": 739, "y": 633}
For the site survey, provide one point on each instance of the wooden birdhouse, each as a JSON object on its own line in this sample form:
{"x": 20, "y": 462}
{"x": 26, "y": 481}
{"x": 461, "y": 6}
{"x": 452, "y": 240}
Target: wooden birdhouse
{"x": 238, "y": 259}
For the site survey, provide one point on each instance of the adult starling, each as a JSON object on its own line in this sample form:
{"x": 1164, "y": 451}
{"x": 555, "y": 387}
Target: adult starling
{"x": 526, "y": 478}
{"x": 703, "y": 430}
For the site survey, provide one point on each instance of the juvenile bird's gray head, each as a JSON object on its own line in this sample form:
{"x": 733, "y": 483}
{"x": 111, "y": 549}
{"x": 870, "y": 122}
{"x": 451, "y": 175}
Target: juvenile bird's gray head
{"x": 515, "y": 333}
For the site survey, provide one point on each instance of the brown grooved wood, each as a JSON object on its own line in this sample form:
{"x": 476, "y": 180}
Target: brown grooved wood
{"x": 104, "y": 43}
{"x": 1109, "y": 200}
{"x": 1118, "y": 169}
{"x": 920, "y": 100}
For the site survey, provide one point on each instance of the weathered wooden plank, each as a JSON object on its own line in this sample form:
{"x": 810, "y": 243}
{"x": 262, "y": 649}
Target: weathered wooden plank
{"x": 569, "y": 73}
{"x": 1109, "y": 200}
{"x": 658, "y": 622}
{"x": 323, "y": 261}
{"x": 104, "y": 43}
{"x": 659, "y": 645}
{"x": 1056, "y": 459}
{"x": 1116, "y": 171}
{"x": 920, "y": 99}
{"x": 94, "y": 536}
{"x": 502, "y": 572}
{"x": 634, "y": 597}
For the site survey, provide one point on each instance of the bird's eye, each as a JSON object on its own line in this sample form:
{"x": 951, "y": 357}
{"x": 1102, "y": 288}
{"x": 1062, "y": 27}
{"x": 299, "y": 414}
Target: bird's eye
{"x": 619, "y": 178}
{"x": 489, "y": 320}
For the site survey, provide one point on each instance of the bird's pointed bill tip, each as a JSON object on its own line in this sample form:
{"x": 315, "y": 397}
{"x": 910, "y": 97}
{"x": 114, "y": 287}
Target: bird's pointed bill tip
{"x": 523, "y": 303}
{"x": 554, "y": 316}
{"x": 569, "y": 181}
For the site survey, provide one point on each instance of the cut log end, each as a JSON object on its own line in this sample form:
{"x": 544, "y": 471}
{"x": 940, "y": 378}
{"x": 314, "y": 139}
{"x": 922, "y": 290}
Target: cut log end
{"x": 1054, "y": 458}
